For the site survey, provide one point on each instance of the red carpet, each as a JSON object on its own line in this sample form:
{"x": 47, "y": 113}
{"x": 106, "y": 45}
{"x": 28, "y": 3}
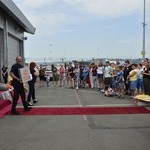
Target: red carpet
{"x": 85, "y": 111}
{"x": 4, "y": 103}
{"x": 5, "y": 107}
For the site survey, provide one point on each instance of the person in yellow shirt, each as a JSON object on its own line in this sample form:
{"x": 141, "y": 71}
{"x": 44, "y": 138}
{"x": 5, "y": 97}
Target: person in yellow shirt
{"x": 133, "y": 80}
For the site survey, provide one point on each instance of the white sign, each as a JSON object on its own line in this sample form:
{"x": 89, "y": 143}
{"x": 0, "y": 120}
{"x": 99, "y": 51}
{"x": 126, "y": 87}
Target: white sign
{"x": 25, "y": 74}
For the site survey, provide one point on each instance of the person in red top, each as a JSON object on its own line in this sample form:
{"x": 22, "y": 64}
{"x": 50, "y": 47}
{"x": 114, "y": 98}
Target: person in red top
{"x": 62, "y": 75}
{"x": 94, "y": 75}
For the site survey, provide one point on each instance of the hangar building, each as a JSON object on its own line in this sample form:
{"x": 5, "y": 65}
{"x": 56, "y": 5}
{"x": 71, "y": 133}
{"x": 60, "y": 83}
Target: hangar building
{"x": 13, "y": 24}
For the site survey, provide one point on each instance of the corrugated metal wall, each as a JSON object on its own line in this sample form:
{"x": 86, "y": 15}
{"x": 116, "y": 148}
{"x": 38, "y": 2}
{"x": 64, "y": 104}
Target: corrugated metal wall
{"x": 13, "y": 50}
{"x": 13, "y": 24}
{"x": 1, "y": 51}
{"x": 11, "y": 42}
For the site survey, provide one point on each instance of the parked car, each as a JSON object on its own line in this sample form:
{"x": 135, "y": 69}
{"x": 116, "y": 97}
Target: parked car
{"x": 48, "y": 71}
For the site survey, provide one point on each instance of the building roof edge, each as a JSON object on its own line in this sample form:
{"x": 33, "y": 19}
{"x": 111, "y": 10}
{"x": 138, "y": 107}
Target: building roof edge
{"x": 15, "y": 12}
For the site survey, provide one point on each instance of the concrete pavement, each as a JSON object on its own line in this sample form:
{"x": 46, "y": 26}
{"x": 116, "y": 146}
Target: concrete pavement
{"x": 80, "y": 132}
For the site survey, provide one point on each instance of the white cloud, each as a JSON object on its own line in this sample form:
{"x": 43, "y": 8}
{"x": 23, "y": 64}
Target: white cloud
{"x": 109, "y": 8}
{"x": 99, "y": 8}
{"x": 37, "y": 3}
{"x": 51, "y": 16}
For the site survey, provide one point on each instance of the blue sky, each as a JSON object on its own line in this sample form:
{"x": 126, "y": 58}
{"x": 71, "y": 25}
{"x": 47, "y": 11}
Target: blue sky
{"x": 85, "y": 28}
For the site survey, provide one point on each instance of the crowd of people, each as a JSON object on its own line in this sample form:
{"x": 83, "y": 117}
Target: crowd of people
{"x": 111, "y": 78}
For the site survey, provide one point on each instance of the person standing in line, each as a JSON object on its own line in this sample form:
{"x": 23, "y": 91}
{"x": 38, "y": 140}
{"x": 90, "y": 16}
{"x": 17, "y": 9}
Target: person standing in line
{"x": 5, "y": 73}
{"x": 94, "y": 76}
{"x": 127, "y": 69}
{"x": 81, "y": 75}
{"x": 62, "y": 76}
{"x": 108, "y": 75}
{"x": 55, "y": 75}
{"x": 47, "y": 80}
{"x": 31, "y": 83}
{"x": 100, "y": 73}
{"x": 76, "y": 76}
{"x": 114, "y": 76}
{"x": 146, "y": 77}
{"x": 42, "y": 76}
{"x": 90, "y": 79}
{"x": 18, "y": 86}
{"x": 85, "y": 74}
{"x": 120, "y": 82}
{"x": 132, "y": 77}
{"x": 66, "y": 79}
{"x": 140, "y": 87}
{"x": 71, "y": 75}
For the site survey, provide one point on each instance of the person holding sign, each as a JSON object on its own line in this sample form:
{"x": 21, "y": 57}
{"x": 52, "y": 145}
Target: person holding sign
{"x": 18, "y": 86}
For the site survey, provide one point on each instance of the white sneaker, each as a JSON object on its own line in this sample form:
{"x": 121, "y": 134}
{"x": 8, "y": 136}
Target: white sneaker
{"x": 77, "y": 88}
{"x": 102, "y": 90}
{"x": 30, "y": 104}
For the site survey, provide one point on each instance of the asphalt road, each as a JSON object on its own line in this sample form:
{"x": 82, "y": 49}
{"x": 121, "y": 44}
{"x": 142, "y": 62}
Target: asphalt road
{"x": 75, "y": 132}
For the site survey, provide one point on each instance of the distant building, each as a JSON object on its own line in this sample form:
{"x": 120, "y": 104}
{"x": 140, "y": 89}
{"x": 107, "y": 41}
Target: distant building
{"x": 13, "y": 24}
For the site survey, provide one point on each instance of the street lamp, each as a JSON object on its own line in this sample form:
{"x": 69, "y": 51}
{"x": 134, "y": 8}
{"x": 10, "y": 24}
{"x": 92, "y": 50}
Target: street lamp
{"x": 144, "y": 24}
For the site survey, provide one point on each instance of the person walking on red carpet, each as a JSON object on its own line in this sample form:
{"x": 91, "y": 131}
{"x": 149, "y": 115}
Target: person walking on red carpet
{"x": 18, "y": 86}
{"x": 31, "y": 83}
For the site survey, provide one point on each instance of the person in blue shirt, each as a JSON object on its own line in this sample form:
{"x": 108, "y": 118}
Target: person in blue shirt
{"x": 85, "y": 74}
{"x": 120, "y": 82}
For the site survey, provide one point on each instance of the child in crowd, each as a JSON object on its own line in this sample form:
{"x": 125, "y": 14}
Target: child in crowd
{"x": 47, "y": 80}
{"x": 120, "y": 82}
{"x": 109, "y": 91}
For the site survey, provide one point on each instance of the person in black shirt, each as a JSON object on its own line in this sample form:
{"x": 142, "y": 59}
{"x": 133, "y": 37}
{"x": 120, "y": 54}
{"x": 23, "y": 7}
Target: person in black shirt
{"x": 5, "y": 73}
{"x": 32, "y": 84}
{"x": 18, "y": 86}
{"x": 71, "y": 74}
{"x": 146, "y": 77}
{"x": 127, "y": 69}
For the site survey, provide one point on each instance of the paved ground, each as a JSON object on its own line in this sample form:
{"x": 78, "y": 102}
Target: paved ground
{"x": 94, "y": 132}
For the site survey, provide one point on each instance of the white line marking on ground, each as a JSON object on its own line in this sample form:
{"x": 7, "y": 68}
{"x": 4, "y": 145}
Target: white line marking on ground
{"x": 85, "y": 118}
{"x": 51, "y": 106}
{"x": 78, "y": 98}
{"x": 112, "y": 105}
{"x": 74, "y": 106}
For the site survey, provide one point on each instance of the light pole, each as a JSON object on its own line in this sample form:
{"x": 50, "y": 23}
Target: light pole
{"x": 62, "y": 58}
{"x": 50, "y": 51}
{"x": 144, "y": 24}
